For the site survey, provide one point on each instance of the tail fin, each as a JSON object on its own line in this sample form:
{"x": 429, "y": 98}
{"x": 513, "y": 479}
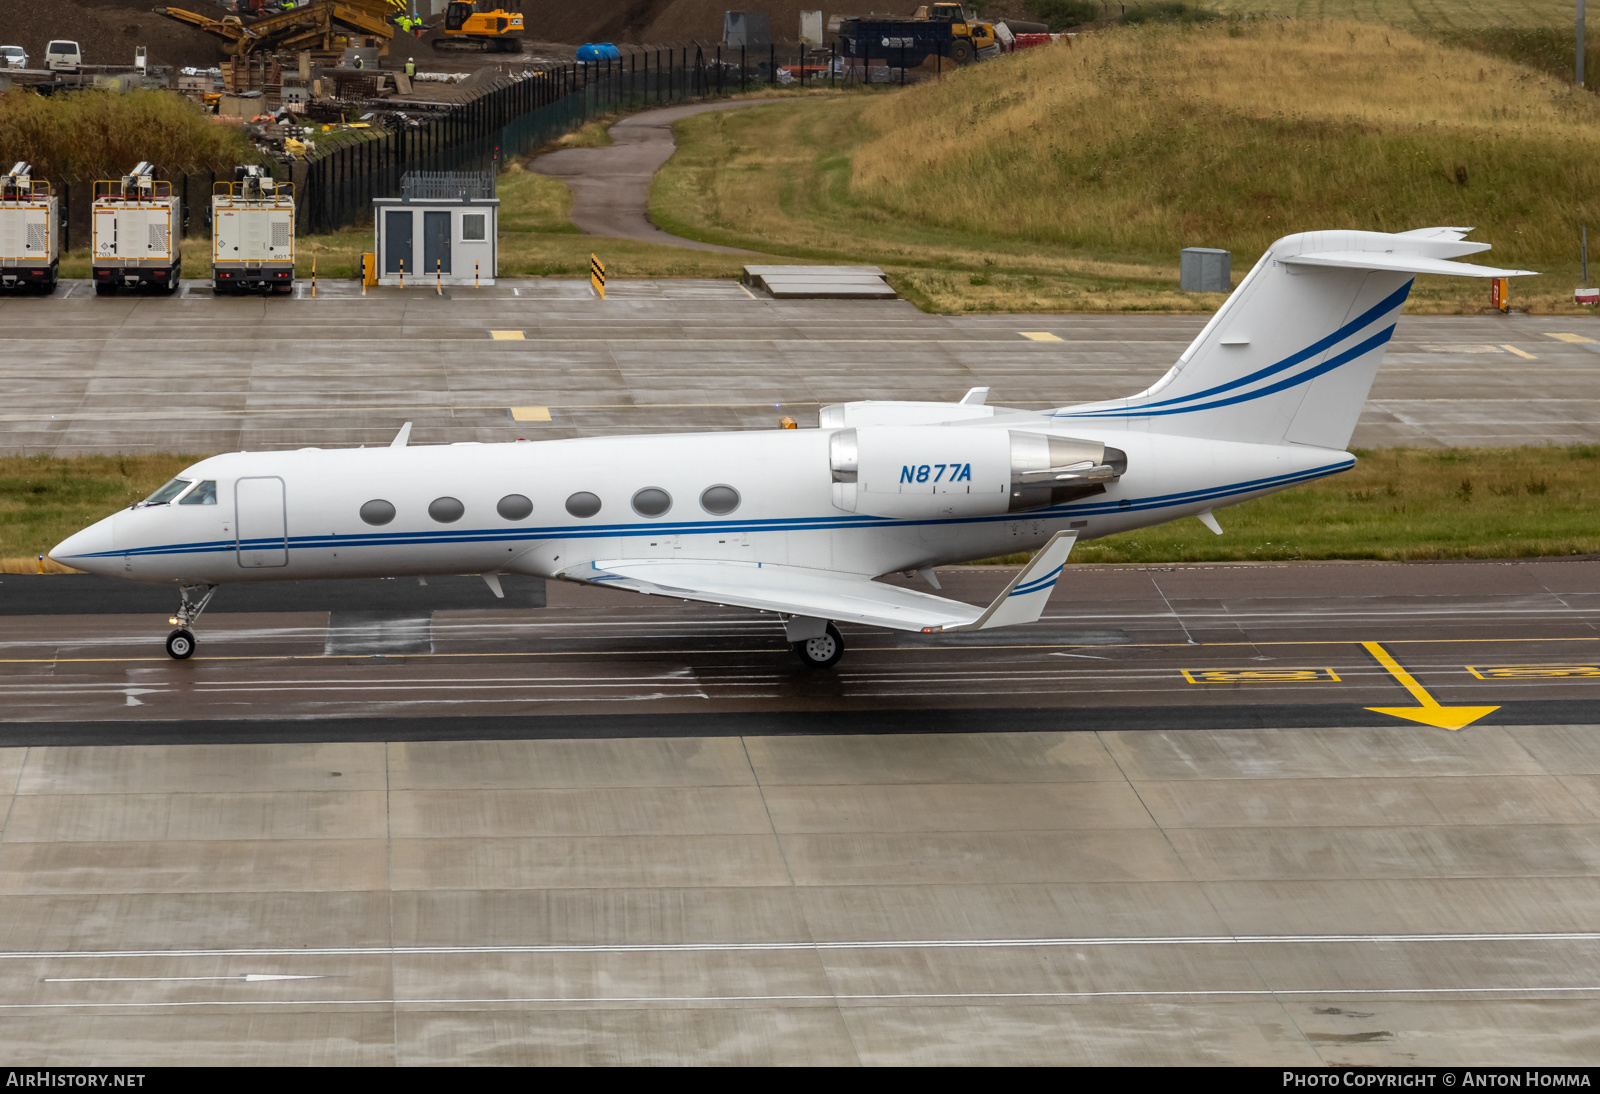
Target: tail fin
{"x": 1291, "y": 354}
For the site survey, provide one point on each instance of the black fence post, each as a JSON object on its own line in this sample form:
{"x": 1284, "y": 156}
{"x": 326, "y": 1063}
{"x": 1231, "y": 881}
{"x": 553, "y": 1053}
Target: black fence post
{"x": 741, "y": 68}
{"x": 772, "y": 64}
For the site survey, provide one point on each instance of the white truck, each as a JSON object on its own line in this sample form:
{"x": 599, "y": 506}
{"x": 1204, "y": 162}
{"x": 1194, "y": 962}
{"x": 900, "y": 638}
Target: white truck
{"x": 30, "y": 232}
{"x": 252, "y": 233}
{"x": 138, "y": 232}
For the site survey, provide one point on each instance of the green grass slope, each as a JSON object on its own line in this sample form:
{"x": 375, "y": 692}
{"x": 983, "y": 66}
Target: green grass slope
{"x": 1069, "y": 177}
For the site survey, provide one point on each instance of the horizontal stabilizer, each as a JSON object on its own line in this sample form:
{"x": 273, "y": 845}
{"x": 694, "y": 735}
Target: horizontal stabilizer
{"x": 1398, "y": 263}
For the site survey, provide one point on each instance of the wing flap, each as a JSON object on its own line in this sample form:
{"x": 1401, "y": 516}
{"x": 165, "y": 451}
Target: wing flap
{"x": 791, "y": 590}
{"x": 826, "y": 594}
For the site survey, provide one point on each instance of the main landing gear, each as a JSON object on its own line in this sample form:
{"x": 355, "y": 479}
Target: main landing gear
{"x": 194, "y": 598}
{"x": 819, "y": 651}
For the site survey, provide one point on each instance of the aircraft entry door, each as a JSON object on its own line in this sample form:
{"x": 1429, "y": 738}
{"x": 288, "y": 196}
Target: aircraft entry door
{"x": 261, "y": 522}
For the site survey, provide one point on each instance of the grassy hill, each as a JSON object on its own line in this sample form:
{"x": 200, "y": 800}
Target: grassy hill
{"x": 1071, "y": 176}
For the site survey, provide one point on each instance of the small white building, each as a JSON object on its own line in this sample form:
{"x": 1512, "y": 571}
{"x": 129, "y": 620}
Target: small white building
{"x": 442, "y": 229}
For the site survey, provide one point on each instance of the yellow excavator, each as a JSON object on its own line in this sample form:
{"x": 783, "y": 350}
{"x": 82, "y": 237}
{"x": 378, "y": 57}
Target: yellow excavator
{"x": 317, "y": 25}
{"x": 479, "y": 26}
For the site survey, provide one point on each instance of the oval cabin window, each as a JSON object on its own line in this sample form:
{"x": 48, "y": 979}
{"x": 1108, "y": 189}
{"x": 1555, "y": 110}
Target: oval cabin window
{"x": 446, "y": 510}
{"x": 652, "y": 501}
{"x": 583, "y": 504}
{"x": 719, "y": 500}
{"x": 514, "y": 507}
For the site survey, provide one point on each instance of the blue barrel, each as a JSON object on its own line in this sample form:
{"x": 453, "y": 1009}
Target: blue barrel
{"x": 602, "y": 51}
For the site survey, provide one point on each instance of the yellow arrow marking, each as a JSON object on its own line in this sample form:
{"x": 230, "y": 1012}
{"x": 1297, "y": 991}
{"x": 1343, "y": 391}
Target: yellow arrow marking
{"x": 1430, "y": 713}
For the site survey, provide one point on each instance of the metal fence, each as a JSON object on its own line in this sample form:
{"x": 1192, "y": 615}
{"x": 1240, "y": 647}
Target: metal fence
{"x": 532, "y": 108}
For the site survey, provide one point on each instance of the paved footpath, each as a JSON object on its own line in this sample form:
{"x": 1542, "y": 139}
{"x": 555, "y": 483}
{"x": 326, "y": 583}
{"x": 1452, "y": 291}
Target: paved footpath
{"x": 611, "y": 186}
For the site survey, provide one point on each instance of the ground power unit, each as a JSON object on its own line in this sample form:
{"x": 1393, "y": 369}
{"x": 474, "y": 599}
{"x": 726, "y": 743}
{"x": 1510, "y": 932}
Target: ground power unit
{"x": 252, "y": 233}
{"x": 138, "y": 232}
{"x": 30, "y": 232}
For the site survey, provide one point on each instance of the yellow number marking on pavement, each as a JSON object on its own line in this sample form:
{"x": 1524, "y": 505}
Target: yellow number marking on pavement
{"x": 1430, "y": 713}
{"x": 1039, "y": 335}
{"x": 1258, "y": 676}
{"x": 1533, "y": 672}
{"x": 1519, "y": 352}
{"x": 507, "y": 335}
{"x": 530, "y": 414}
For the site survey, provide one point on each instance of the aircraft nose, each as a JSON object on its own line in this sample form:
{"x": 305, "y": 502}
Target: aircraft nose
{"x": 80, "y": 549}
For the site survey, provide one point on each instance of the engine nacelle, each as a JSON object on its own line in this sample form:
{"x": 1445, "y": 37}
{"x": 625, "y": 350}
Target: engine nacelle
{"x": 944, "y": 471}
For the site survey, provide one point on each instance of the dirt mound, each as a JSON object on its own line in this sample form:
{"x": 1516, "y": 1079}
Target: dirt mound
{"x": 108, "y": 31}
{"x": 635, "y": 22}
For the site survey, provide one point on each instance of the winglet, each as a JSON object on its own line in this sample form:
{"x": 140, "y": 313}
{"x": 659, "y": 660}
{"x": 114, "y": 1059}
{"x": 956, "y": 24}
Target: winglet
{"x": 1024, "y": 599}
{"x": 401, "y": 437}
{"x": 975, "y": 396}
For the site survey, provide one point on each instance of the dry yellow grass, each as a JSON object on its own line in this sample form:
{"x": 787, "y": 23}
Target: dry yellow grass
{"x": 1073, "y": 175}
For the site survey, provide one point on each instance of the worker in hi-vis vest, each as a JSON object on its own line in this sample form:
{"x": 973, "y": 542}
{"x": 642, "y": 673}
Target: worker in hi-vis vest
{"x": 411, "y": 67}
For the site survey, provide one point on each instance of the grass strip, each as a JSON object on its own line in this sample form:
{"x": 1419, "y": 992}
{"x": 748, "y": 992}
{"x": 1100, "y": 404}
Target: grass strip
{"x": 1397, "y": 504}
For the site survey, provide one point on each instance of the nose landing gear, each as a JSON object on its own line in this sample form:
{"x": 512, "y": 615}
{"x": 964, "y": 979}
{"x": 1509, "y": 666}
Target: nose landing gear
{"x": 193, "y": 601}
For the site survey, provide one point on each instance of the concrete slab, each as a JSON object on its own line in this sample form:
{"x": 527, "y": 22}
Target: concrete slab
{"x": 187, "y": 769}
{"x": 346, "y": 1037}
{"x": 283, "y": 815}
{"x": 1314, "y": 753}
{"x": 1384, "y": 906}
{"x": 197, "y": 866}
{"x": 790, "y": 1036}
{"x": 955, "y": 808}
{"x": 662, "y": 915}
{"x": 569, "y": 862}
{"x": 1072, "y": 909}
{"x": 981, "y": 858}
{"x": 932, "y": 758}
{"x": 432, "y": 765}
{"x": 1461, "y": 801}
{"x": 595, "y": 811}
{"x": 1168, "y": 1033}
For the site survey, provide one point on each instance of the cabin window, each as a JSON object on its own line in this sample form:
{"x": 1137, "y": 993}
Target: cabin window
{"x": 583, "y": 504}
{"x": 204, "y": 493}
{"x": 472, "y": 226}
{"x": 167, "y": 492}
{"x": 377, "y": 511}
{"x": 514, "y": 507}
{"x": 446, "y": 510}
{"x": 719, "y": 500}
{"x": 652, "y": 501}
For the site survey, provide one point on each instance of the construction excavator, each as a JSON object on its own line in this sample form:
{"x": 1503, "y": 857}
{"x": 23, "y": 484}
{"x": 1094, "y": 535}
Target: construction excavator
{"x": 479, "y": 26}
{"x": 317, "y": 25}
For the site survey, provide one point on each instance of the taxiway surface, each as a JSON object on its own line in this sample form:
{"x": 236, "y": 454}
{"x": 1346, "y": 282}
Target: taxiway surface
{"x": 193, "y": 373}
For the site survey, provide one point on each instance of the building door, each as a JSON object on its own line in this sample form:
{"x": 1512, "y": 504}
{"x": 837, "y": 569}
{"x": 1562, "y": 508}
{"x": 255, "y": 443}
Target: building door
{"x": 397, "y": 242}
{"x": 261, "y": 523}
{"x": 435, "y": 243}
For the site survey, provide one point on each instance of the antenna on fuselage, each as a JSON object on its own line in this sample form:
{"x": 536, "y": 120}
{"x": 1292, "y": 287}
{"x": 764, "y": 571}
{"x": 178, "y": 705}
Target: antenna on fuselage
{"x": 401, "y": 437}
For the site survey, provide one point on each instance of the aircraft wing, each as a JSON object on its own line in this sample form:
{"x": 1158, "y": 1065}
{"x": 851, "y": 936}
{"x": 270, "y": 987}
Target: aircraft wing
{"x": 825, "y": 594}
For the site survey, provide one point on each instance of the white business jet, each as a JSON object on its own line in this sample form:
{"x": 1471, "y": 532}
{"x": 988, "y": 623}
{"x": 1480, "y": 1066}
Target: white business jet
{"x": 800, "y": 522}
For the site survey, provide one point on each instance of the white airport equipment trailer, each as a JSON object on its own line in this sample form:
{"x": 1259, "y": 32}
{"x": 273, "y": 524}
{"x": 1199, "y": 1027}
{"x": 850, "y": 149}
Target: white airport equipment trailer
{"x": 30, "y": 231}
{"x": 252, "y": 233}
{"x": 138, "y": 232}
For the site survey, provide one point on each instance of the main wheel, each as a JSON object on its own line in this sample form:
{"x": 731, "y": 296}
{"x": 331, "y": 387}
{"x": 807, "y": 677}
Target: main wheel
{"x": 104, "y": 288}
{"x": 961, "y": 51}
{"x": 823, "y": 652}
{"x": 180, "y": 644}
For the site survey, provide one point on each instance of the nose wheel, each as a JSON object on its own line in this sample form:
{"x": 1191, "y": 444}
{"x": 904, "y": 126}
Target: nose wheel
{"x": 180, "y": 644}
{"x": 822, "y": 652}
{"x": 192, "y": 601}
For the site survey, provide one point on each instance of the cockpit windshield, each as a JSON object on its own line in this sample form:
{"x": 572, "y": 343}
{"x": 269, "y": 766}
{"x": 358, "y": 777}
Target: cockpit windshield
{"x": 204, "y": 493}
{"x": 167, "y": 492}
